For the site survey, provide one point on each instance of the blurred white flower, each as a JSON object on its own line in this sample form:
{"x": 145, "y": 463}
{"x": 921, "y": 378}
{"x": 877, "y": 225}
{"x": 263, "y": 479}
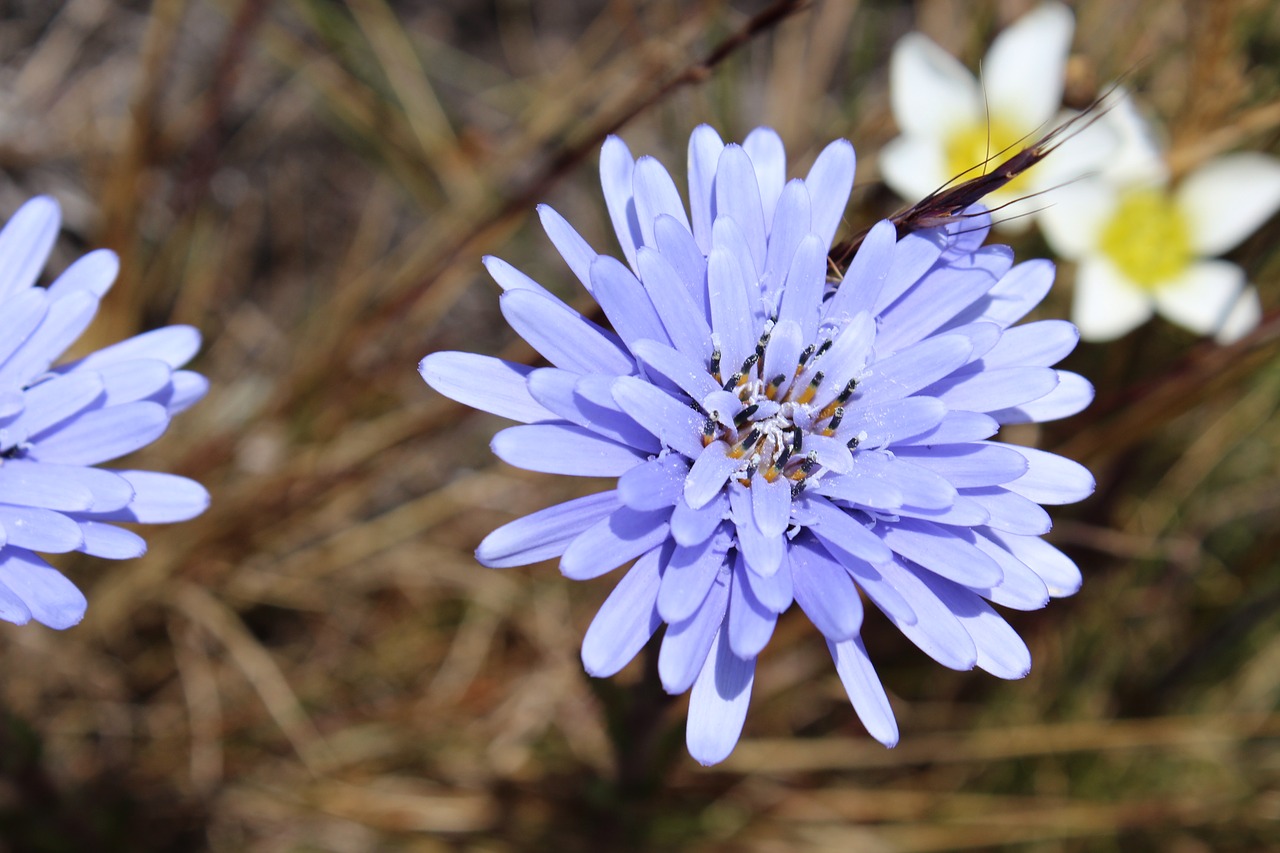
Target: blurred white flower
{"x": 1144, "y": 246}
{"x": 952, "y": 125}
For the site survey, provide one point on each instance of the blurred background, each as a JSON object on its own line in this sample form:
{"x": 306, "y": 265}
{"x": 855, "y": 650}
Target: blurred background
{"x": 318, "y": 664}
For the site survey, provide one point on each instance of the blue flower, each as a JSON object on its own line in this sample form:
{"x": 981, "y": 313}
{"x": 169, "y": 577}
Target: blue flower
{"x": 781, "y": 433}
{"x": 57, "y": 422}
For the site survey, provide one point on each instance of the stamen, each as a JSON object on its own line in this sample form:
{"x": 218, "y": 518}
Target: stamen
{"x": 740, "y": 419}
{"x": 808, "y": 393}
{"x": 853, "y": 443}
{"x": 796, "y": 488}
{"x": 804, "y": 357}
{"x": 749, "y": 363}
{"x": 774, "y": 384}
{"x": 835, "y": 421}
{"x": 830, "y": 408}
{"x": 810, "y": 462}
{"x": 732, "y": 381}
{"x": 715, "y": 363}
{"x": 740, "y": 449}
{"x": 763, "y": 342}
{"x": 778, "y": 464}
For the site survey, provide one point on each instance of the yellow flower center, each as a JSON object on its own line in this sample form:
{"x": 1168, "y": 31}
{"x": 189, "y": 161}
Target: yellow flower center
{"x": 1147, "y": 238}
{"x": 987, "y": 142}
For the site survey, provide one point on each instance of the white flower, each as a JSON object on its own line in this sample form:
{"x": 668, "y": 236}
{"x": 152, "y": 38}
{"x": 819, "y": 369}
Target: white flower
{"x": 952, "y": 124}
{"x": 1143, "y": 246}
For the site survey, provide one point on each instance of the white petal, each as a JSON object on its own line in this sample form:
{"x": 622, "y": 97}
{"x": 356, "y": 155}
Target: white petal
{"x": 1075, "y": 216}
{"x": 931, "y": 92}
{"x": 1025, "y": 67}
{"x": 1226, "y": 200}
{"x": 1202, "y": 297}
{"x": 913, "y": 166}
{"x": 1084, "y": 151}
{"x": 1242, "y": 319}
{"x": 1107, "y": 305}
{"x": 1137, "y": 159}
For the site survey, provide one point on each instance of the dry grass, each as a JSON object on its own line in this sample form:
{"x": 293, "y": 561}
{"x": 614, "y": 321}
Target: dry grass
{"x": 318, "y": 663}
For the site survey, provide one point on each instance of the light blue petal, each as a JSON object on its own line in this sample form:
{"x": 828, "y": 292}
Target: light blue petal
{"x": 806, "y": 281}
{"x": 837, "y": 527}
{"x": 708, "y": 475}
{"x": 945, "y": 551}
{"x": 825, "y": 592}
{"x": 683, "y": 319}
{"x": 102, "y": 434}
{"x": 51, "y": 598}
{"x": 577, "y": 253}
{"x": 677, "y": 246}
{"x": 25, "y": 243}
{"x": 1010, "y": 512}
{"x": 39, "y": 530}
{"x": 738, "y": 198}
{"x": 656, "y": 484}
{"x": 150, "y": 497}
{"x": 564, "y": 449}
{"x": 993, "y": 390}
{"x": 691, "y": 526}
{"x": 860, "y": 289}
{"x": 1000, "y": 651}
{"x": 485, "y": 383}
{"x": 563, "y": 336}
{"x": 510, "y": 278}
{"x": 1072, "y": 395}
{"x": 916, "y": 367}
{"x": 688, "y": 577}
{"x": 750, "y": 621}
{"x": 763, "y": 553}
{"x": 769, "y": 159}
{"x": 685, "y": 645}
{"x": 718, "y": 704}
{"x": 705, "y": 148}
{"x": 1051, "y": 479}
{"x": 111, "y": 542}
{"x": 791, "y": 222}
{"x": 1040, "y": 344}
{"x": 865, "y": 690}
{"x": 969, "y": 466}
{"x": 936, "y": 632}
{"x": 626, "y": 620}
{"x": 174, "y": 345}
{"x": 617, "y": 168}
{"x": 546, "y": 533}
{"x": 676, "y": 424}
{"x": 830, "y": 180}
{"x": 625, "y": 302}
{"x": 624, "y": 535}
{"x": 655, "y": 195}
{"x": 1058, "y": 571}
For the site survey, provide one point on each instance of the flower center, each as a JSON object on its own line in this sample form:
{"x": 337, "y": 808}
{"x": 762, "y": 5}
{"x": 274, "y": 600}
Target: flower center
{"x": 1147, "y": 238}
{"x": 991, "y": 143}
{"x": 778, "y": 414}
